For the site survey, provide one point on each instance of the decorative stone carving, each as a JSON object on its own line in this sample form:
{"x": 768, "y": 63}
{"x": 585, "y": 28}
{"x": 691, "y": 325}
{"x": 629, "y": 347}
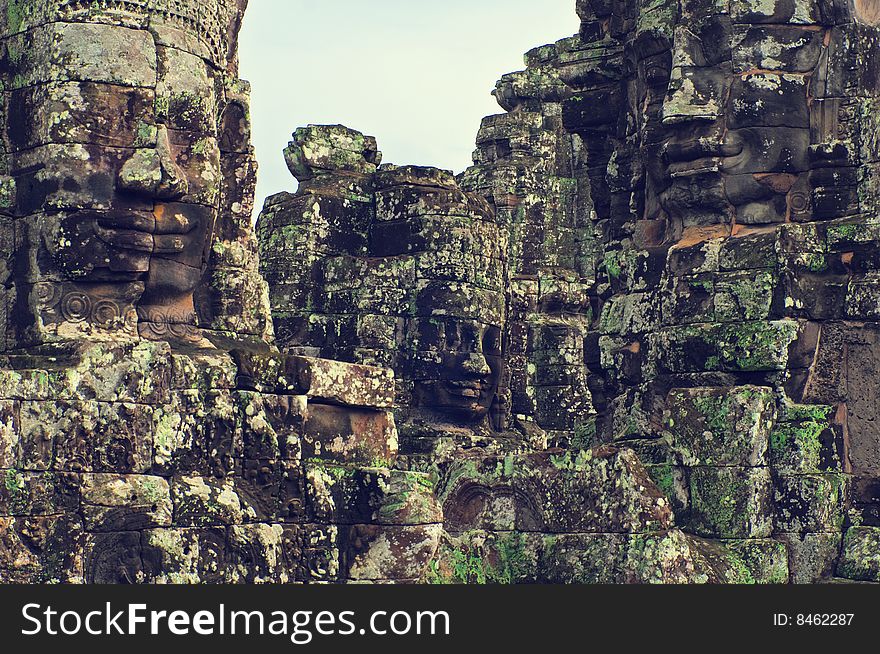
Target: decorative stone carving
{"x": 127, "y": 142}
{"x": 722, "y": 150}
{"x": 389, "y": 265}
{"x": 150, "y": 429}
{"x": 635, "y": 342}
{"x": 687, "y": 191}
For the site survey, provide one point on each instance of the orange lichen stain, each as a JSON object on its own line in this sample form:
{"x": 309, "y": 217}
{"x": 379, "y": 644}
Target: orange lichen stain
{"x": 840, "y": 415}
{"x": 695, "y": 235}
{"x": 159, "y": 212}
{"x": 841, "y": 420}
{"x": 779, "y": 182}
{"x": 633, "y": 347}
{"x": 847, "y": 258}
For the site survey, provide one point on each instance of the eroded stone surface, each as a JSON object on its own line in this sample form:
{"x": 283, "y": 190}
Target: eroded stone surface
{"x": 151, "y": 431}
{"x": 686, "y": 194}
{"x": 635, "y": 342}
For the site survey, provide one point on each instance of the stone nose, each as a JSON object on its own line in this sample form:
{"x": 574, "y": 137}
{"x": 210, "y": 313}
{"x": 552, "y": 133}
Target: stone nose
{"x": 475, "y": 364}
{"x": 154, "y": 172}
{"x": 693, "y": 95}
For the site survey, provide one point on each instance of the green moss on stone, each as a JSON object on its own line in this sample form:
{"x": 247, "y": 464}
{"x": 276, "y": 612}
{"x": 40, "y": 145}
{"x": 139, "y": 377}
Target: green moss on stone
{"x": 14, "y": 15}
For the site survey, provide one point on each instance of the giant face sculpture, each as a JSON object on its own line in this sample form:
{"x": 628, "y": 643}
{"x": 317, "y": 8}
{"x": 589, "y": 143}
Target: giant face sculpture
{"x": 748, "y": 144}
{"x": 393, "y": 266}
{"x": 463, "y": 371}
{"x": 454, "y": 327}
{"x": 114, "y": 148}
{"x": 730, "y": 107}
{"x": 722, "y": 110}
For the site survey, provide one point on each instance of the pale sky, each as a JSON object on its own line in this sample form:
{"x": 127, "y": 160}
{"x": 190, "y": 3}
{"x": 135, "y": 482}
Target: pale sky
{"x": 416, "y": 74}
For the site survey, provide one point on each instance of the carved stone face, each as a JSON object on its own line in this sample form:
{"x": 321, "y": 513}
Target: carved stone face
{"x": 725, "y": 118}
{"x": 117, "y": 162}
{"x": 458, "y": 331}
{"x": 463, "y": 373}
{"x": 455, "y": 288}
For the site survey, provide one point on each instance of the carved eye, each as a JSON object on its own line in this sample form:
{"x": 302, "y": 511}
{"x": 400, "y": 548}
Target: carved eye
{"x": 656, "y": 73}
{"x": 656, "y": 68}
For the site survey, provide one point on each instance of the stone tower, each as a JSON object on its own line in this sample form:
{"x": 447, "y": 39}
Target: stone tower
{"x": 150, "y": 430}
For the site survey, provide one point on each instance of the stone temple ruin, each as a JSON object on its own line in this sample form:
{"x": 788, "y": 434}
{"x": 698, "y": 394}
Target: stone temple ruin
{"x": 637, "y": 341}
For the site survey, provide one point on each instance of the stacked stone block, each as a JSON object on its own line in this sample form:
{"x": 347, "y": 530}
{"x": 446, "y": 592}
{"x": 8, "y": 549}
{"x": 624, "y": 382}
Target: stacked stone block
{"x": 178, "y": 470}
{"x": 724, "y": 160}
{"x": 150, "y": 430}
{"x": 526, "y": 167}
{"x": 606, "y": 523}
{"x": 635, "y": 342}
{"x": 392, "y": 266}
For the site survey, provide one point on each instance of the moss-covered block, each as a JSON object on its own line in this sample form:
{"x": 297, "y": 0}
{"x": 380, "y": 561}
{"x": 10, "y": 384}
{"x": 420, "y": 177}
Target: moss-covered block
{"x": 135, "y": 372}
{"x": 730, "y": 347}
{"x": 861, "y": 301}
{"x": 18, "y": 563}
{"x": 41, "y": 550}
{"x": 203, "y": 502}
{"x": 805, "y": 441}
{"x": 256, "y": 555}
{"x": 594, "y": 491}
{"x": 345, "y": 383}
{"x": 187, "y": 555}
{"x": 731, "y": 502}
{"x": 631, "y": 415}
{"x": 9, "y": 432}
{"x": 311, "y": 552}
{"x": 812, "y": 557}
{"x": 111, "y": 502}
{"x": 319, "y": 149}
{"x": 271, "y": 425}
{"x": 665, "y": 557}
{"x": 744, "y": 295}
{"x": 675, "y": 557}
{"x": 349, "y": 436}
{"x": 503, "y": 557}
{"x": 811, "y": 503}
{"x": 24, "y": 384}
{"x": 111, "y": 437}
{"x": 388, "y": 552}
{"x": 765, "y": 560}
{"x": 721, "y": 426}
{"x": 689, "y": 300}
{"x": 672, "y": 480}
{"x": 197, "y": 432}
{"x": 360, "y": 495}
{"x": 24, "y": 493}
{"x": 203, "y": 371}
{"x": 748, "y": 252}
{"x": 861, "y": 554}
{"x": 582, "y": 558}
